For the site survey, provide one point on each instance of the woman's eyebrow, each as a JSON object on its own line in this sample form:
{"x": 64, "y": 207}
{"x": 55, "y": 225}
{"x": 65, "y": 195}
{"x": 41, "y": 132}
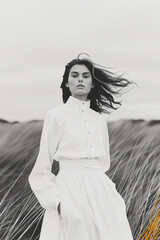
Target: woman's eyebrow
{"x": 86, "y": 73}
{"x": 83, "y": 72}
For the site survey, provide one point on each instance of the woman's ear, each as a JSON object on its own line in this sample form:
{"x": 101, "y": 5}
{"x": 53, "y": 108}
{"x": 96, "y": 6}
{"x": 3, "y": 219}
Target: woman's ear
{"x": 66, "y": 84}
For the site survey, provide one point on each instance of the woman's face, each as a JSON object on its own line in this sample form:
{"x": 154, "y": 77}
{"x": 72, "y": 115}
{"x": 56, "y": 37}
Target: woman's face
{"x": 80, "y": 81}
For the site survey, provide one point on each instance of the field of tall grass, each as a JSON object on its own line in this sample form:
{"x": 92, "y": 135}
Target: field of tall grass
{"x": 135, "y": 168}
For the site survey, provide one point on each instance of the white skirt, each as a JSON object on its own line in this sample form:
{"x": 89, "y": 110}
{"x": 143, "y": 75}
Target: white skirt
{"x": 91, "y": 207}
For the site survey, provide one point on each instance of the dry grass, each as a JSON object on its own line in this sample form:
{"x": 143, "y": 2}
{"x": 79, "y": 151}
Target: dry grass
{"x": 135, "y": 151}
{"x": 135, "y": 168}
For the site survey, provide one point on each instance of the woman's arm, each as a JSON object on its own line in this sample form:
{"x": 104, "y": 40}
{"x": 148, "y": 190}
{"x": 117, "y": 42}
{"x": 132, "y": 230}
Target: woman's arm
{"x": 41, "y": 179}
{"x": 107, "y": 142}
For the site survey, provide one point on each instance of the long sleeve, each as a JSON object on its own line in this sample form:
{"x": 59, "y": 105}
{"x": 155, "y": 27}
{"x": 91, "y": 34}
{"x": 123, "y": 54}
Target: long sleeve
{"x": 107, "y": 143}
{"x": 41, "y": 179}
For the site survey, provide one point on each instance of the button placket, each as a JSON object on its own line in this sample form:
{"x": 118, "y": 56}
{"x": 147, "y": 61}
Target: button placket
{"x": 89, "y": 137}
{"x": 88, "y": 130}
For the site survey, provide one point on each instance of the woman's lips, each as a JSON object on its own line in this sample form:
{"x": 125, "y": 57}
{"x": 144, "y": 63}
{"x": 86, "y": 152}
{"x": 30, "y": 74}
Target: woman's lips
{"x": 80, "y": 86}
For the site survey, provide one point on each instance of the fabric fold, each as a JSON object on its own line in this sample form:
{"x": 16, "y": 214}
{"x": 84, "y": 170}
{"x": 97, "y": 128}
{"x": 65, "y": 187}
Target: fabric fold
{"x": 41, "y": 179}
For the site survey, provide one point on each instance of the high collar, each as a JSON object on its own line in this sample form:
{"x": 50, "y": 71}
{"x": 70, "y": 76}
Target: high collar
{"x": 75, "y": 102}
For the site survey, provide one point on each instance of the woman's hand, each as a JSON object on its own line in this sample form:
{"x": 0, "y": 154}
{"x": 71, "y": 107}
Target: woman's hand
{"x": 59, "y": 208}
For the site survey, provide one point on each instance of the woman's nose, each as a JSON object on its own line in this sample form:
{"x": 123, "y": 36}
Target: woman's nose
{"x": 80, "y": 79}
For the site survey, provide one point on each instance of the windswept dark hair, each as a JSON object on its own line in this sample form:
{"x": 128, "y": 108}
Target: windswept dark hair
{"x": 107, "y": 85}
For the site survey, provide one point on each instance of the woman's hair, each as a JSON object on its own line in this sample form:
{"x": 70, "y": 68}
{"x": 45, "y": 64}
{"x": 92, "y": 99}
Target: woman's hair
{"x": 107, "y": 85}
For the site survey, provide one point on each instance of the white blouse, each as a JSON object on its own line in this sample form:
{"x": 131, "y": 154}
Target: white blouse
{"x": 70, "y": 131}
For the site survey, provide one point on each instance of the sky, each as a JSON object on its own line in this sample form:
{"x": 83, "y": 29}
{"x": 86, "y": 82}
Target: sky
{"x": 39, "y": 37}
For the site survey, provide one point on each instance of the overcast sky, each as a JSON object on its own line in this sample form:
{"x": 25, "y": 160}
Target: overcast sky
{"x": 38, "y": 38}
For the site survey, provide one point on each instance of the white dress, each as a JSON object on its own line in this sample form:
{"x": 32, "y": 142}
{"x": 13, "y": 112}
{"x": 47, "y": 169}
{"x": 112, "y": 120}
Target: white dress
{"x": 91, "y": 208}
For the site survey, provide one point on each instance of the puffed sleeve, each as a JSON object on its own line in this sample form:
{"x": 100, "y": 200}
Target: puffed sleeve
{"x": 41, "y": 179}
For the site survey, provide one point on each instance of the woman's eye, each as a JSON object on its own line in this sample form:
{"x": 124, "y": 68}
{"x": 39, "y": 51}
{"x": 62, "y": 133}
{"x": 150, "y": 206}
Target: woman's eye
{"x": 74, "y": 75}
{"x": 86, "y": 76}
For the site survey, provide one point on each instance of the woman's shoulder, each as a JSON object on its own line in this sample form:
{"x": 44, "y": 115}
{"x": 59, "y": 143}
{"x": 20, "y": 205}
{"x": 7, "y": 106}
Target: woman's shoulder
{"x": 99, "y": 115}
{"x": 104, "y": 118}
{"x": 57, "y": 111}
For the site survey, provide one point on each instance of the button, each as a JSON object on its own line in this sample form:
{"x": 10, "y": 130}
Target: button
{"x": 88, "y": 132}
{"x": 90, "y": 146}
{"x": 85, "y": 120}
{"x": 82, "y": 110}
{"x": 83, "y": 103}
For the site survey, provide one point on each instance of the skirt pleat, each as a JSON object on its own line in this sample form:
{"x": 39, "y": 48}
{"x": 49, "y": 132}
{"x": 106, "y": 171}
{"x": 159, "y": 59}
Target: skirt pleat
{"x": 91, "y": 207}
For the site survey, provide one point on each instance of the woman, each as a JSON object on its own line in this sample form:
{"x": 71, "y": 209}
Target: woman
{"x": 81, "y": 202}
